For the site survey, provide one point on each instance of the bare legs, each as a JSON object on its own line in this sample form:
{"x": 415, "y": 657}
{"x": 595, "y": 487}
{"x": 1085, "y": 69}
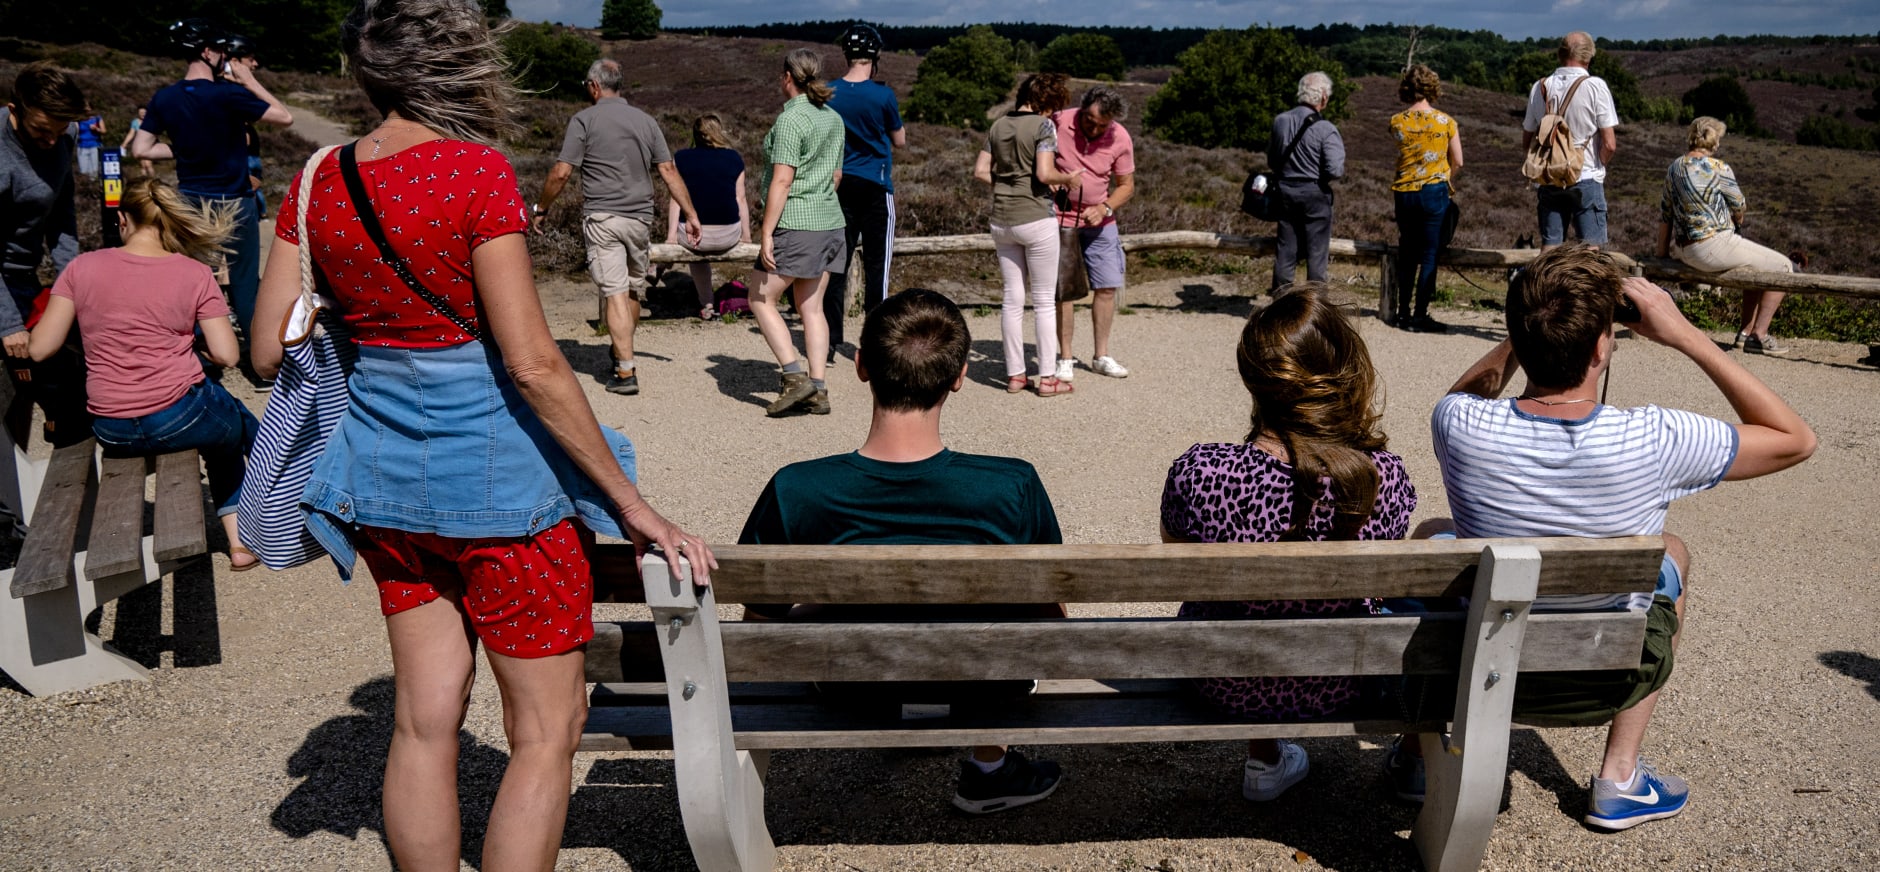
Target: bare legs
{"x": 544, "y": 705}
{"x": 702, "y": 280}
{"x": 808, "y": 296}
{"x": 1759, "y": 307}
{"x": 623, "y": 317}
{"x": 1102, "y": 316}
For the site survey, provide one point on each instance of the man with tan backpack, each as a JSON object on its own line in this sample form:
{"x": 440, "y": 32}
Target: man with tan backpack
{"x": 1569, "y": 139}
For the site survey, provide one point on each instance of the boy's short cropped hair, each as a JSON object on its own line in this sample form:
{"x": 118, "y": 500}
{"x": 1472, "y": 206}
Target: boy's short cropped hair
{"x": 1558, "y": 308}
{"x": 914, "y": 345}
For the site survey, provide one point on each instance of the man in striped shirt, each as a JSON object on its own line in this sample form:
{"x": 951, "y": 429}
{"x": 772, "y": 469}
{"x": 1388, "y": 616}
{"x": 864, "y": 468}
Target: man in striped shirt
{"x": 1554, "y": 461}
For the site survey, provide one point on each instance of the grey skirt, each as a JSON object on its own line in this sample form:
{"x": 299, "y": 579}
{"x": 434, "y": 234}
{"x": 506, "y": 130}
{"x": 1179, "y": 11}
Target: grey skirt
{"x": 806, "y": 254}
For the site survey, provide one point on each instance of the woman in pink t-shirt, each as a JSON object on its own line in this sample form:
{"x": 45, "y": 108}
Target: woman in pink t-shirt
{"x": 138, "y": 308}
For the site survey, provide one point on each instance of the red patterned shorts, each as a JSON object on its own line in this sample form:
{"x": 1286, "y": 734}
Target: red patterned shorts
{"x": 526, "y": 597}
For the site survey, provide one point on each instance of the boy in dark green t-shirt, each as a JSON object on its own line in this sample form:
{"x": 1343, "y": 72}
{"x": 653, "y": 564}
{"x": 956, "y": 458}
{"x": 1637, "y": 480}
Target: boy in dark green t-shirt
{"x": 903, "y": 486}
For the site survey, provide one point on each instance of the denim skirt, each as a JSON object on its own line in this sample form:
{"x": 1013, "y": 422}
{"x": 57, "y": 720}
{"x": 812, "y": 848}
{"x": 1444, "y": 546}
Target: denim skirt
{"x": 438, "y": 440}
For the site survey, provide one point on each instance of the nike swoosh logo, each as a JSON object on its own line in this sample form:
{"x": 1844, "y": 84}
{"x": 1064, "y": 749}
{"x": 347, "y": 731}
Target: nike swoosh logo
{"x": 1651, "y": 796}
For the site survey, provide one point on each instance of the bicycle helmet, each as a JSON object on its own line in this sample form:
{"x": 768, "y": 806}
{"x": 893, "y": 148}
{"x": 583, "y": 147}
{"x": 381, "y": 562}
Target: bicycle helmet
{"x": 860, "y": 41}
{"x": 192, "y": 35}
{"x": 236, "y": 46}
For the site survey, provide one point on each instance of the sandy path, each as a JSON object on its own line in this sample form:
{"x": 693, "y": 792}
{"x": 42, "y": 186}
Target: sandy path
{"x": 263, "y": 750}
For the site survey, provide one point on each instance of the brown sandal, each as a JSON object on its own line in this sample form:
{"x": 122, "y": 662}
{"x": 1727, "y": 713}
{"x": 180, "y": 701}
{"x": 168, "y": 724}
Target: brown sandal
{"x": 234, "y": 550}
{"x": 1052, "y": 386}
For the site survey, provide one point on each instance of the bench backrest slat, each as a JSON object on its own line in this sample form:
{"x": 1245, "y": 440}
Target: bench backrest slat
{"x": 115, "y": 544}
{"x": 1114, "y": 648}
{"x": 46, "y": 557}
{"x": 178, "y": 531}
{"x": 1159, "y": 573}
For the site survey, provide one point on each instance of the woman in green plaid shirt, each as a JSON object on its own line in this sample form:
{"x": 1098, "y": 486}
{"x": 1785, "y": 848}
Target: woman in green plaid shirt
{"x": 801, "y": 238}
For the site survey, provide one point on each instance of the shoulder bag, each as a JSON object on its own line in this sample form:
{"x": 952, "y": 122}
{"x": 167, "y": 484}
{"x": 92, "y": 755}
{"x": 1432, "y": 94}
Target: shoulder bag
{"x": 1073, "y": 277}
{"x": 308, "y": 399}
{"x": 1259, "y": 192}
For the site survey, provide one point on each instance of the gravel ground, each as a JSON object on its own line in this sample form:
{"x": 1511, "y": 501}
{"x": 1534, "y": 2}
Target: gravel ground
{"x": 259, "y": 741}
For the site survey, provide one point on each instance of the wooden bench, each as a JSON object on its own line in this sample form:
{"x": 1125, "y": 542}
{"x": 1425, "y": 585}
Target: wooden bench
{"x": 86, "y": 545}
{"x": 722, "y": 695}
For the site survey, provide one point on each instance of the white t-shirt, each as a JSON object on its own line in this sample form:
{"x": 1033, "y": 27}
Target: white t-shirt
{"x": 1591, "y": 112}
{"x": 1612, "y": 473}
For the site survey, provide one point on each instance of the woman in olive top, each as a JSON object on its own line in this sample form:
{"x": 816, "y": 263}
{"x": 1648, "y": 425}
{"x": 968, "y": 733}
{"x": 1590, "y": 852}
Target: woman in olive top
{"x": 802, "y": 230}
{"x": 1019, "y": 163}
{"x": 1429, "y": 152}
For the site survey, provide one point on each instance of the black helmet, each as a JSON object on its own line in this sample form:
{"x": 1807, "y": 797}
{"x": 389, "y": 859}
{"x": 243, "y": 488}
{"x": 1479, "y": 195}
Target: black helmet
{"x": 236, "y": 46}
{"x": 860, "y": 41}
{"x": 192, "y": 35}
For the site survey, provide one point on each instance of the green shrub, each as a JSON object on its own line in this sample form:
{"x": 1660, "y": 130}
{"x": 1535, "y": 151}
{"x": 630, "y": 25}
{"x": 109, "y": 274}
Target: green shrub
{"x": 549, "y": 60}
{"x": 1627, "y": 99}
{"x": 630, "y": 19}
{"x": 1085, "y": 56}
{"x": 1669, "y": 110}
{"x": 1724, "y": 99}
{"x": 1830, "y": 132}
{"x": 957, "y": 82}
{"x": 1232, "y": 83}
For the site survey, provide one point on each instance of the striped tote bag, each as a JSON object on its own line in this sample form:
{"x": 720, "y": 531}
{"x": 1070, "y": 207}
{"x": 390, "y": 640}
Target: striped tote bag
{"x": 308, "y": 399}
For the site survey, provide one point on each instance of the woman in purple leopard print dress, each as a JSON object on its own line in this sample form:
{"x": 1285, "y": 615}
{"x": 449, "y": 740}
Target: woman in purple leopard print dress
{"x": 1315, "y": 431}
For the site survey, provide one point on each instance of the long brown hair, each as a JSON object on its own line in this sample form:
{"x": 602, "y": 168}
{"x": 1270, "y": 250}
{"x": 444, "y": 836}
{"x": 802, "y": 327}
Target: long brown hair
{"x": 1314, "y": 390}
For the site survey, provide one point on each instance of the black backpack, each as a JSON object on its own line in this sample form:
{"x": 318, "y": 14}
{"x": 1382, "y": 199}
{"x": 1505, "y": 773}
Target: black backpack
{"x": 1257, "y": 193}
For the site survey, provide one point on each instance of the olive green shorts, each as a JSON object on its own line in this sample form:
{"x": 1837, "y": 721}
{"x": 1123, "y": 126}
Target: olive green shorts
{"x": 1584, "y": 699}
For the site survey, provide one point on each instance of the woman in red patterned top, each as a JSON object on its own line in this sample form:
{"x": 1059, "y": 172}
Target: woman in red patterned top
{"x": 468, "y": 471}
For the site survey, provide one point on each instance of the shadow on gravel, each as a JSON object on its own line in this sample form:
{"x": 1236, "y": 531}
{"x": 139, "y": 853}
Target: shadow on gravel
{"x": 753, "y": 382}
{"x": 1204, "y": 298}
{"x": 1855, "y": 665}
{"x": 343, "y": 764}
{"x": 196, "y": 636}
{"x": 1530, "y": 755}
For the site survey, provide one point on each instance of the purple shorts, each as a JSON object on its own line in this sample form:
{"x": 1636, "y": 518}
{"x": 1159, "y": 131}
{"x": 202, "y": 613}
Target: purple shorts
{"x": 1103, "y": 255}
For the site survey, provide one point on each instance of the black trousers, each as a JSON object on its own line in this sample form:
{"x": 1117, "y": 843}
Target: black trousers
{"x": 868, "y": 210}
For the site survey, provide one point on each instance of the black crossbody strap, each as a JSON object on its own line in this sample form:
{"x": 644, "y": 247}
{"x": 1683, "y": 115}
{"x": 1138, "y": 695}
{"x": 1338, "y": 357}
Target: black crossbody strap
{"x": 1285, "y": 157}
{"x": 369, "y": 219}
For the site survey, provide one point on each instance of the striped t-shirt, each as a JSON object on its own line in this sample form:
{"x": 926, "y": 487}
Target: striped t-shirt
{"x": 1612, "y": 473}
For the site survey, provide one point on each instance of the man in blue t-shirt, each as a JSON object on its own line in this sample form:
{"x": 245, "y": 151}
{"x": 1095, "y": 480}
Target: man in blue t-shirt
{"x": 872, "y": 116}
{"x": 903, "y": 486}
{"x": 204, "y": 115}
{"x": 87, "y": 133}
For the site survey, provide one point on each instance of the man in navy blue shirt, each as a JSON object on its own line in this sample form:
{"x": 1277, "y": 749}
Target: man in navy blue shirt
{"x": 866, "y": 187}
{"x": 205, "y": 118}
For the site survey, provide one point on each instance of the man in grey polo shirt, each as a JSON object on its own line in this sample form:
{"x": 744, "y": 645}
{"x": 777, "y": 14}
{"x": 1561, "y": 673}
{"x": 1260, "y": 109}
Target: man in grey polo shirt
{"x": 617, "y": 147}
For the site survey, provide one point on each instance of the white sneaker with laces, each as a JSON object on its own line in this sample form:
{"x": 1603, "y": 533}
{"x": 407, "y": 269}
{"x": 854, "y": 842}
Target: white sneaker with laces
{"x": 1264, "y": 782}
{"x": 1066, "y": 368}
{"x": 1107, "y": 365}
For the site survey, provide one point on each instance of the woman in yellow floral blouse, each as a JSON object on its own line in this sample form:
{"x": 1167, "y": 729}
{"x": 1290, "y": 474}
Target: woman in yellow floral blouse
{"x": 1430, "y": 153}
{"x": 1700, "y": 211}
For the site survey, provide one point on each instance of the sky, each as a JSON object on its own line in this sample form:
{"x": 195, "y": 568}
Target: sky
{"x": 1617, "y": 19}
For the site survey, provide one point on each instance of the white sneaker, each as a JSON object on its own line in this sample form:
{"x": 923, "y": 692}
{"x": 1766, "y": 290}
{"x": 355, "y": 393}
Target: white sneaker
{"x": 1067, "y": 367}
{"x": 1108, "y": 366}
{"x": 1264, "y": 782}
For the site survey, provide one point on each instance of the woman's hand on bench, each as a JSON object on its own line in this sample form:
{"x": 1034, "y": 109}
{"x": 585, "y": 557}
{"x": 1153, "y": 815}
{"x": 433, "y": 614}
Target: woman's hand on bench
{"x": 648, "y": 527}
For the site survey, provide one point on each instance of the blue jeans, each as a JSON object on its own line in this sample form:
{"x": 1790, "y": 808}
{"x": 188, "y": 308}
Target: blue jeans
{"x": 1583, "y": 204}
{"x": 244, "y": 256}
{"x": 1419, "y": 233}
{"x": 205, "y": 418}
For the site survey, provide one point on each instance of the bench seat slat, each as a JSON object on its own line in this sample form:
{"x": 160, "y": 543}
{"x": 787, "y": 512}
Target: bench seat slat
{"x": 1151, "y": 573}
{"x": 46, "y": 556}
{"x": 1044, "y": 719}
{"x": 116, "y": 541}
{"x": 1129, "y": 648}
{"x": 179, "y": 532}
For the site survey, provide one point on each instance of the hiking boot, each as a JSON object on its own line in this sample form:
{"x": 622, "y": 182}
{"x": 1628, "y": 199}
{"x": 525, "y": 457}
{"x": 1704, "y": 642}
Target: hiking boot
{"x": 796, "y": 387}
{"x": 1405, "y": 772}
{"x": 1066, "y": 368}
{"x": 1016, "y": 782}
{"x": 818, "y": 402}
{"x": 1264, "y": 782}
{"x": 1107, "y": 365}
{"x": 1764, "y": 345}
{"x": 625, "y": 385}
{"x": 1652, "y": 797}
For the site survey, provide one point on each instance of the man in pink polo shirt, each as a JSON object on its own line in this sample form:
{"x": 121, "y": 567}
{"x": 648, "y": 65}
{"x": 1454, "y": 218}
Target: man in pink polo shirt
{"x": 1091, "y": 138}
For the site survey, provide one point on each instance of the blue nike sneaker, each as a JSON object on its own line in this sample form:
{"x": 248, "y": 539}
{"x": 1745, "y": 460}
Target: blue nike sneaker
{"x": 1653, "y": 796}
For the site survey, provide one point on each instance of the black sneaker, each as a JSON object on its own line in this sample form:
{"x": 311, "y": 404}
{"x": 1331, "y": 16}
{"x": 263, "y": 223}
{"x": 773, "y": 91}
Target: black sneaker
{"x": 1426, "y": 324}
{"x": 1016, "y": 782}
{"x": 626, "y": 385}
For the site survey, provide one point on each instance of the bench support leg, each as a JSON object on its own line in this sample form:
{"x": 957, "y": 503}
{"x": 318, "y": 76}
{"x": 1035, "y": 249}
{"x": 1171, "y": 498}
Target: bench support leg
{"x": 1464, "y": 775}
{"x": 721, "y": 789}
{"x": 43, "y": 643}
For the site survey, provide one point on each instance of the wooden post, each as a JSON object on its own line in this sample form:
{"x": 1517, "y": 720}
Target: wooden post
{"x": 721, "y": 789}
{"x": 1386, "y": 286}
{"x": 1464, "y": 775}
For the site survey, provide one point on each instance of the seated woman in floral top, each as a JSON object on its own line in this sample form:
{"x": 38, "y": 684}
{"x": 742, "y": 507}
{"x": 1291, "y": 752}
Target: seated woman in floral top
{"x": 1698, "y": 217}
{"x": 1313, "y": 468}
